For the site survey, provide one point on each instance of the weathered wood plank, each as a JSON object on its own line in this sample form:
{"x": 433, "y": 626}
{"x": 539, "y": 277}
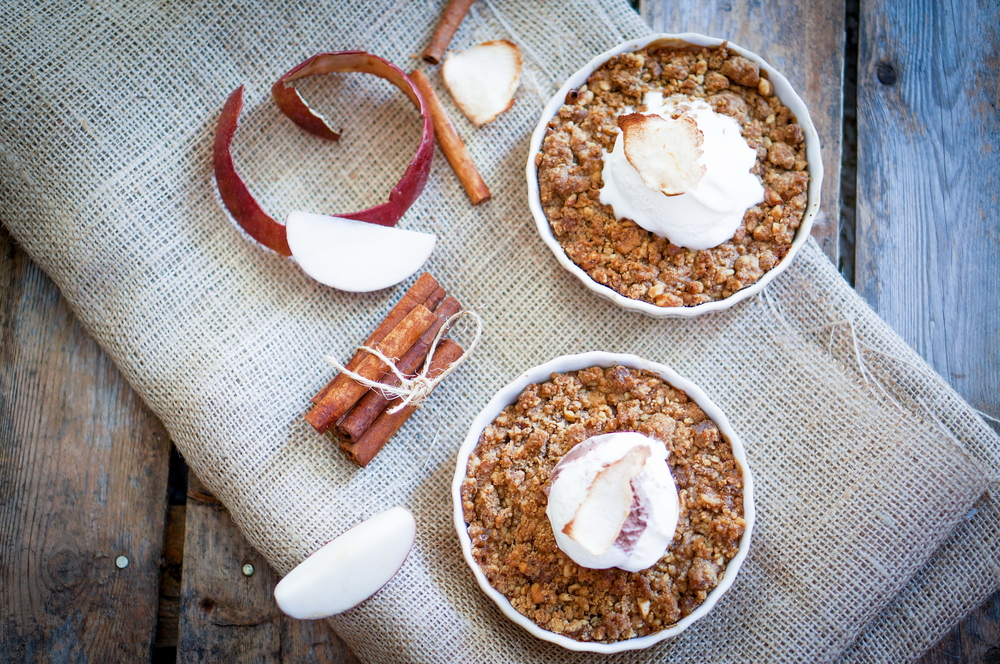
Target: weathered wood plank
{"x": 928, "y": 225}
{"x": 224, "y": 615}
{"x": 928, "y": 231}
{"x": 227, "y": 616}
{"x": 83, "y": 471}
{"x": 928, "y": 234}
{"x": 803, "y": 40}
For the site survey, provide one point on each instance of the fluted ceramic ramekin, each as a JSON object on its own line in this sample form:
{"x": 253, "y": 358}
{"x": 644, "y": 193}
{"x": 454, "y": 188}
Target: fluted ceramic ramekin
{"x": 541, "y": 373}
{"x": 784, "y": 91}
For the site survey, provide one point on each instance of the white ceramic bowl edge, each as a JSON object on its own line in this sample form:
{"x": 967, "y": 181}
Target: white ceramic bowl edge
{"x": 787, "y": 95}
{"x": 541, "y": 373}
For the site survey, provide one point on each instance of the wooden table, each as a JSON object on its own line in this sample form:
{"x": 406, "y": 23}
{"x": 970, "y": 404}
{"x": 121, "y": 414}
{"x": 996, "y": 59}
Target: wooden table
{"x": 109, "y": 551}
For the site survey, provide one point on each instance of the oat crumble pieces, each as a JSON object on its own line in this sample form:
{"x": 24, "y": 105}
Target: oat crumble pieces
{"x": 622, "y": 255}
{"x": 504, "y": 496}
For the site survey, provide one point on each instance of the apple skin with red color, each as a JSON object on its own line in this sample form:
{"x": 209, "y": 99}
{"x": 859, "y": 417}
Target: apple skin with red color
{"x": 237, "y": 196}
{"x": 234, "y": 191}
{"x": 410, "y": 186}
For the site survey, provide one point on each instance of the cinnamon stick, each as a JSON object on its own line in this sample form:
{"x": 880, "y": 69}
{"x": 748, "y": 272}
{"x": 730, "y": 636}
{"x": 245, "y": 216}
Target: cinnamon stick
{"x": 420, "y": 292}
{"x": 451, "y": 143}
{"x": 356, "y": 422}
{"x": 383, "y": 428}
{"x": 447, "y": 25}
{"x": 435, "y": 298}
{"x": 346, "y": 392}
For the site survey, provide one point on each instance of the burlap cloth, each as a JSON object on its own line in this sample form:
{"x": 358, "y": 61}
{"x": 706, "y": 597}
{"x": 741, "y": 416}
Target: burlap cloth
{"x": 876, "y": 483}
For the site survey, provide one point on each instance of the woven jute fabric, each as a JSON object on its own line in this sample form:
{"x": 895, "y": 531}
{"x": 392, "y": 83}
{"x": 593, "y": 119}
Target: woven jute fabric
{"x": 877, "y": 525}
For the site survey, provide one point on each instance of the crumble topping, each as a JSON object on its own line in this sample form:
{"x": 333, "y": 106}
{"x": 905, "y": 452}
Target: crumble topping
{"x": 629, "y": 259}
{"x": 504, "y": 496}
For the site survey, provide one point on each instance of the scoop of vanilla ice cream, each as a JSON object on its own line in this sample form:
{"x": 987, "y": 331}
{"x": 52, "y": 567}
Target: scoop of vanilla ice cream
{"x": 613, "y": 502}
{"x": 702, "y": 217}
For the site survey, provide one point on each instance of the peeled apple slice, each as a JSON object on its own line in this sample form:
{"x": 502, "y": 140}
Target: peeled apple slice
{"x": 607, "y": 504}
{"x": 483, "y": 79}
{"x": 664, "y": 152}
{"x": 350, "y": 569}
{"x": 354, "y": 255}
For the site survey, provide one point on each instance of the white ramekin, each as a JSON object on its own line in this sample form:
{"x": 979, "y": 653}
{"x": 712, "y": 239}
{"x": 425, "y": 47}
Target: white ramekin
{"x": 507, "y": 396}
{"x": 782, "y": 89}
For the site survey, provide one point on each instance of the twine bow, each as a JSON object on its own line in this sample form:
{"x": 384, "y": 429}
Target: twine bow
{"x": 414, "y": 391}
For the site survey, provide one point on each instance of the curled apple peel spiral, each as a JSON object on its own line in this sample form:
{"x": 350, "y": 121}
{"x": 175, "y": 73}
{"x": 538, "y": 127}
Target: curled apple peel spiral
{"x": 244, "y": 206}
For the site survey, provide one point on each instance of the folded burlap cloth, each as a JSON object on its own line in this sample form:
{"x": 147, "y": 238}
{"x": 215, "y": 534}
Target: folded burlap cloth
{"x": 878, "y": 515}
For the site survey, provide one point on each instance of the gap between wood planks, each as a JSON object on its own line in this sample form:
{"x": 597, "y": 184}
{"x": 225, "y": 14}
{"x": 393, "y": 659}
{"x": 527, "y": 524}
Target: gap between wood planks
{"x": 849, "y": 146}
{"x": 219, "y": 606}
{"x": 172, "y": 561}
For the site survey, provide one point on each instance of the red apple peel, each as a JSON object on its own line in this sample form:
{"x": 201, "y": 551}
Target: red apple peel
{"x": 234, "y": 191}
{"x": 236, "y": 195}
{"x": 291, "y": 104}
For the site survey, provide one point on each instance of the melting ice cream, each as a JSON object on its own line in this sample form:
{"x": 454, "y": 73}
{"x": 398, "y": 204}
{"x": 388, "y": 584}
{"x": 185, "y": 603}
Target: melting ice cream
{"x": 613, "y": 502}
{"x": 682, "y": 171}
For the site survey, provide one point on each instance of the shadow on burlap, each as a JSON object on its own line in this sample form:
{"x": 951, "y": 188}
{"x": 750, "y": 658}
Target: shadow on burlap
{"x": 876, "y": 531}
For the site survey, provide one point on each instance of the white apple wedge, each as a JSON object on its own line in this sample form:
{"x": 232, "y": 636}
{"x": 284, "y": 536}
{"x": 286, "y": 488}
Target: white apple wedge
{"x": 613, "y": 502}
{"x": 350, "y": 569}
{"x": 600, "y": 517}
{"x": 355, "y": 256}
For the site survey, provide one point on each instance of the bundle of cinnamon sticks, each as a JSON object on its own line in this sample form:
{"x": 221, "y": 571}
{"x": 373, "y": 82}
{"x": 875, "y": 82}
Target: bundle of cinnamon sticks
{"x": 358, "y": 414}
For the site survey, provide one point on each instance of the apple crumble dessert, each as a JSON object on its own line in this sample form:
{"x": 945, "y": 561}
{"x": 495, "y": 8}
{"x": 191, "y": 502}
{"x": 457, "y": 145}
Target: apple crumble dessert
{"x": 617, "y": 250}
{"x": 506, "y": 489}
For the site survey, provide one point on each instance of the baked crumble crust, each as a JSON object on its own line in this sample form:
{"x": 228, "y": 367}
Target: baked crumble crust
{"x": 504, "y": 496}
{"x": 624, "y": 256}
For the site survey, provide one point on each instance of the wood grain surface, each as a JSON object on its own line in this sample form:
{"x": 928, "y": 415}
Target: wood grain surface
{"x": 229, "y": 616}
{"x": 928, "y": 227}
{"x": 83, "y": 480}
{"x": 802, "y": 40}
{"x": 976, "y": 640}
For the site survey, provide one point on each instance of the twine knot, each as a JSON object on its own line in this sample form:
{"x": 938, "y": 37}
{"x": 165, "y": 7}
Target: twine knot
{"x": 413, "y": 391}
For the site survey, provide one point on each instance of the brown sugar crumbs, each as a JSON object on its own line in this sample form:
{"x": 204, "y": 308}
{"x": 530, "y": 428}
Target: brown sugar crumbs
{"x": 504, "y": 500}
{"x": 624, "y": 256}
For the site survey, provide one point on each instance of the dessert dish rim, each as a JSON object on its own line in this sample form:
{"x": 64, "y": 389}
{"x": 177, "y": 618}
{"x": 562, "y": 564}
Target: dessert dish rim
{"x": 508, "y": 395}
{"x": 782, "y": 88}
